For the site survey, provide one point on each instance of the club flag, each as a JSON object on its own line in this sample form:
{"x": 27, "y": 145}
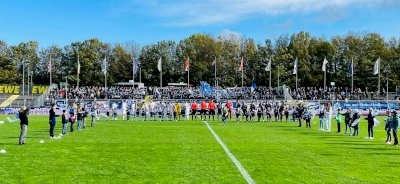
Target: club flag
{"x": 159, "y": 65}
{"x": 295, "y": 66}
{"x": 253, "y": 87}
{"x": 135, "y": 67}
{"x": 324, "y": 64}
{"x": 214, "y": 63}
{"x": 376, "y": 66}
{"x": 351, "y": 68}
{"x": 104, "y": 68}
{"x": 268, "y": 67}
{"x": 205, "y": 88}
{"x": 187, "y": 65}
{"x": 79, "y": 66}
{"x": 241, "y": 65}
{"x": 49, "y": 67}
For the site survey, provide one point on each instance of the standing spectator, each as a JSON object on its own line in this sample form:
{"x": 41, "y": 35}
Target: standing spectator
{"x": 307, "y": 117}
{"x": 387, "y": 128}
{"x": 300, "y": 113}
{"x": 329, "y": 113}
{"x": 370, "y": 119}
{"x": 80, "y": 119}
{"x": 355, "y": 121}
{"x": 347, "y": 119}
{"x": 395, "y": 126}
{"x": 52, "y": 120}
{"x": 93, "y": 112}
{"x": 64, "y": 122}
{"x": 338, "y": 119}
{"x": 321, "y": 118}
{"x": 72, "y": 116}
{"x": 85, "y": 114}
{"x": 23, "y": 117}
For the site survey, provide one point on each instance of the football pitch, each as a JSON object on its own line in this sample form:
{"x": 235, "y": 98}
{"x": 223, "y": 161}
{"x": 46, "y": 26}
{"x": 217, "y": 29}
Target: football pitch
{"x": 188, "y": 152}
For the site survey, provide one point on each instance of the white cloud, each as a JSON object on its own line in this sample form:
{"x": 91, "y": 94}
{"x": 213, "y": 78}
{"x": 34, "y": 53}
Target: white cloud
{"x": 205, "y": 12}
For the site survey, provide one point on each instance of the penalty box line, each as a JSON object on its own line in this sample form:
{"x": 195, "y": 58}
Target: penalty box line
{"x": 243, "y": 171}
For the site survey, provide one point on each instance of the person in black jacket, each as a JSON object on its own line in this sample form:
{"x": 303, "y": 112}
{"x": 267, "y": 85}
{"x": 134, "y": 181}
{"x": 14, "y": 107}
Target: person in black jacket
{"x": 347, "y": 120}
{"x": 52, "y": 120}
{"x": 370, "y": 119}
{"x": 23, "y": 117}
{"x": 64, "y": 122}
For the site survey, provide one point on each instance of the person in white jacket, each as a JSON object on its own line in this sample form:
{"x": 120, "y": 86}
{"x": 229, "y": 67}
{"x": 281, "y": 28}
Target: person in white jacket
{"x": 328, "y": 117}
{"x": 187, "y": 110}
{"x": 124, "y": 110}
{"x": 133, "y": 111}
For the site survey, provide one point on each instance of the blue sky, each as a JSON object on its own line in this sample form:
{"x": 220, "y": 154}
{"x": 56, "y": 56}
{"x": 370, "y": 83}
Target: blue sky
{"x": 61, "y": 22}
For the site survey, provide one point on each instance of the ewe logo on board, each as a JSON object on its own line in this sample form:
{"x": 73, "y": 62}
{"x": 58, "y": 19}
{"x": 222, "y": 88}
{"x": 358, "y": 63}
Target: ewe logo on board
{"x": 6, "y": 89}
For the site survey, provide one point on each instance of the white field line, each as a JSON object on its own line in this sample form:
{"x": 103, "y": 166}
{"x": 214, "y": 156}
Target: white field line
{"x": 246, "y": 175}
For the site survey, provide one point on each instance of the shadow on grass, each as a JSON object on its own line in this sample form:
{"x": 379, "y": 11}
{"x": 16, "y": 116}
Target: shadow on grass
{"x": 351, "y": 143}
{"x": 379, "y": 149}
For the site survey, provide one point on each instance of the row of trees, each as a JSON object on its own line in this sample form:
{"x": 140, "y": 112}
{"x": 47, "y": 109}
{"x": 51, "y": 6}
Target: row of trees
{"x": 202, "y": 50}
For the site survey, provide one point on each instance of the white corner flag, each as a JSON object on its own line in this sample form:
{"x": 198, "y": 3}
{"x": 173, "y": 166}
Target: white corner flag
{"x": 324, "y": 65}
{"x": 159, "y": 65}
{"x": 376, "y": 66}
{"x": 268, "y": 67}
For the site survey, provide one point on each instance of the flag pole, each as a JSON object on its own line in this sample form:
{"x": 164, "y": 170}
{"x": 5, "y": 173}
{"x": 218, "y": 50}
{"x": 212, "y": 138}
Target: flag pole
{"x": 352, "y": 76}
{"x": 23, "y": 77}
{"x": 161, "y": 75}
{"x": 50, "y": 71}
{"x": 242, "y": 65}
{"x": 296, "y": 77}
{"x": 387, "y": 88}
{"x": 325, "y": 79}
{"x": 28, "y": 81}
{"x": 133, "y": 72}
{"x": 270, "y": 71}
{"x": 379, "y": 76}
{"x": 188, "y": 72}
{"x": 105, "y": 73}
{"x": 215, "y": 72}
{"x": 77, "y": 82}
{"x": 278, "y": 76}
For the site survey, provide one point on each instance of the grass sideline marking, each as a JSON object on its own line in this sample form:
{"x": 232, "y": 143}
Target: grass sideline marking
{"x": 231, "y": 156}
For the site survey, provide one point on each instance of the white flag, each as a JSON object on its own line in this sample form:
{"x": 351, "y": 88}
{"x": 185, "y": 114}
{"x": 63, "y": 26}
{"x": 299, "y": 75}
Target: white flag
{"x": 159, "y": 66}
{"x": 79, "y": 66}
{"x": 104, "y": 68}
{"x": 268, "y": 67}
{"x": 376, "y": 66}
{"x": 295, "y": 66}
{"x": 324, "y": 65}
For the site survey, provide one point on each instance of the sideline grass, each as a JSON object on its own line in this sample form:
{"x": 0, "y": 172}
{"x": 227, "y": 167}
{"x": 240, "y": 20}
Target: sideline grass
{"x": 186, "y": 152}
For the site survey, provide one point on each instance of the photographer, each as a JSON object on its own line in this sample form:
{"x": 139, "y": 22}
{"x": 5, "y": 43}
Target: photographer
{"x": 23, "y": 117}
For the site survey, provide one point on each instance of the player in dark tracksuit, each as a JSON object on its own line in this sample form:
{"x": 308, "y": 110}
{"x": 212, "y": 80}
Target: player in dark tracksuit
{"x": 52, "y": 120}
{"x": 370, "y": 119}
{"x": 347, "y": 119}
{"x": 301, "y": 114}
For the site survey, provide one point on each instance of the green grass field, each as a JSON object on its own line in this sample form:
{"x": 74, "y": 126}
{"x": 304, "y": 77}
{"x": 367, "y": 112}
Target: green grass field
{"x": 187, "y": 152}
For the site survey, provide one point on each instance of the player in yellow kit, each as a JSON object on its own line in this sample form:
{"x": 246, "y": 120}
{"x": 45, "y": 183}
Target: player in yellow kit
{"x": 177, "y": 111}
